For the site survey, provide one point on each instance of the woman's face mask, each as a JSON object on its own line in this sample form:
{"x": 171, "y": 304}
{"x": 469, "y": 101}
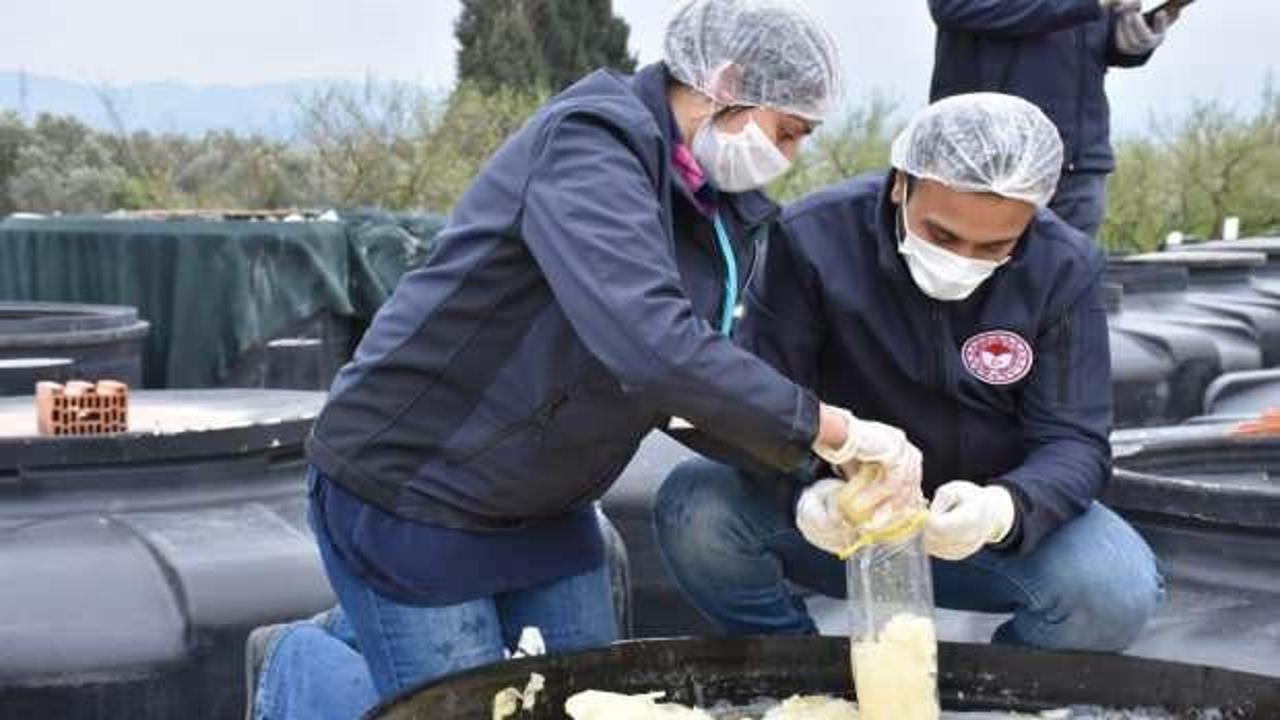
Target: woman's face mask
{"x": 940, "y": 273}
{"x": 737, "y": 162}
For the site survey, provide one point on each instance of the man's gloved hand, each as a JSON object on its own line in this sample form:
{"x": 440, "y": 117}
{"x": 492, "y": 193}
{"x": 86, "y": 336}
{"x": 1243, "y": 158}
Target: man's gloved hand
{"x": 819, "y": 519}
{"x": 1133, "y": 35}
{"x": 886, "y": 446}
{"x": 964, "y": 517}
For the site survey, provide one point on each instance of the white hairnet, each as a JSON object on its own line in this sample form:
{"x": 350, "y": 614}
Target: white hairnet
{"x": 764, "y": 53}
{"x": 983, "y": 142}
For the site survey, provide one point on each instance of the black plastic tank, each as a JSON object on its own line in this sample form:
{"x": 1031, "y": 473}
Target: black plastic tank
{"x": 1265, "y": 278}
{"x": 134, "y": 565}
{"x": 742, "y": 671}
{"x": 102, "y": 341}
{"x": 18, "y": 376}
{"x": 305, "y": 356}
{"x": 1157, "y": 297}
{"x": 1208, "y": 502}
{"x": 658, "y": 609}
{"x": 1140, "y": 373}
{"x": 1159, "y": 370}
{"x": 1243, "y": 394}
{"x": 1222, "y": 282}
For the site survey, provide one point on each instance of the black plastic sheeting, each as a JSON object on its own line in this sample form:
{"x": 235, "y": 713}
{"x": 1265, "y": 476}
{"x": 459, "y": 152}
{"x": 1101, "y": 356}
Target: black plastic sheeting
{"x": 101, "y": 341}
{"x": 740, "y": 670}
{"x": 136, "y": 564}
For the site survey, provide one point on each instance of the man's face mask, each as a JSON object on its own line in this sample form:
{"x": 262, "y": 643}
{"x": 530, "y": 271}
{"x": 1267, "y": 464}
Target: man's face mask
{"x": 940, "y": 273}
{"x": 737, "y": 162}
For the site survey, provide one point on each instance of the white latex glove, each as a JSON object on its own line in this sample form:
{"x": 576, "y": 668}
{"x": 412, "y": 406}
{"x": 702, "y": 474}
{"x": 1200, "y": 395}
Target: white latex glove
{"x": 885, "y": 445}
{"x": 1133, "y": 35}
{"x": 819, "y": 519}
{"x": 964, "y": 517}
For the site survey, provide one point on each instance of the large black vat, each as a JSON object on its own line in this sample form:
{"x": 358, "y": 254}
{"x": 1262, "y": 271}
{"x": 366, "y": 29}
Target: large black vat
{"x": 1266, "y": 278}
{"x": 102, "y": 341}
{"x": 1243, "y": 394}
{"x": 18, "y": 376}
{"x": 1156, "y": 296}
{"x": 136, "y": 564}
{"x": 1141, "y": 372}
{"x": 1221, "y": 282}
{"x": 742, "y": 670}
{"x": 305, "y": 356}
{"x": 1159, "y": 370}
{"x": 1208, "y": 502}
{"x": 657, "y": 607}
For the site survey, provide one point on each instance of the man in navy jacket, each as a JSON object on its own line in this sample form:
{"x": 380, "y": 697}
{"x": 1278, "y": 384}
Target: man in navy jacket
{"x": 1054, "y": 53}
{"x": 941, "y": 299}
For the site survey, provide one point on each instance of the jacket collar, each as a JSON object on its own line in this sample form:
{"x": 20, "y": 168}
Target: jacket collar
{"x": 650, "y": 84}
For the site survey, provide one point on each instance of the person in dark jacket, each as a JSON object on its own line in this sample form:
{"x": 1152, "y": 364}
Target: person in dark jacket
{"x": 1054, "y": 53}
{"x": 941, "y": 299}
{"x": 581, "y": 296}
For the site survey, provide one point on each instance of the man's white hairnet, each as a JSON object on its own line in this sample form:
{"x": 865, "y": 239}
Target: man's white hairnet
{"x": 983, "y": 142}
{"x": 764, "y": 53}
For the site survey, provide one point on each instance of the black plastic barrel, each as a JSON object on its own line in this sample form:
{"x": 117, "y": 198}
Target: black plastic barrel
{"x": 18, "y": 376}
{"x": 1243, "y": 394}
{"x": 305, "y": 356}
{"x": 135, "y": 565}
{"x": 1265, "y": 278}
{"x": 102, "y": 341}
{"x": 740, "y": 671}
{"x": 1221, "y": 282}
{"x": 1156, "y": 296}
{"x": 1208, "y": 502}
{"x": 1159, "y": 370}
{"x": 658, "y": 608}
{"x": 1140, "y": 372}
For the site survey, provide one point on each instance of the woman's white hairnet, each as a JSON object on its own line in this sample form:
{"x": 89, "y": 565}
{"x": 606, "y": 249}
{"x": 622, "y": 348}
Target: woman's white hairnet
{"x": 983, "y": 142}
{"x": 764, "y": 53}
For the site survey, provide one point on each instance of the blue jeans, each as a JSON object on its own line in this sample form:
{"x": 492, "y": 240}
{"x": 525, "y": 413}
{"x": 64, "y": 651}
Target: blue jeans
{"x": 1081, "y": 200}
{"x": 730, "y": 541}
{"x": 372, "y": 649}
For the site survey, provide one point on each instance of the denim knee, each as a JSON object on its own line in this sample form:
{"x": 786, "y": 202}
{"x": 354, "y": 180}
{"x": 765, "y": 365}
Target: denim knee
{"x": 1110, "y": 595}
{"x": 694, "y": 510}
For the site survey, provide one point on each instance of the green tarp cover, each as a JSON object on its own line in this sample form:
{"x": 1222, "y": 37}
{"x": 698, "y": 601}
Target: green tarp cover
{"x": 211, "y": 290}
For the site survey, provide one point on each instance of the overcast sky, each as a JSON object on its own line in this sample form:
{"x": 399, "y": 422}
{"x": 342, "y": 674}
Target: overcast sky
{"x": 1222, "y": 48}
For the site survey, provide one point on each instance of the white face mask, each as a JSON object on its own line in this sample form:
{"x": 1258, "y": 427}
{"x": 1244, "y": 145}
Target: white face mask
{"x": 738, "y": 162}
{"x": 939, "y": 273}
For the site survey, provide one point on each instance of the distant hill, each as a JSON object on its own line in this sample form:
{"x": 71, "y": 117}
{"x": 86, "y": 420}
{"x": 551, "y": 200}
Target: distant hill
{"x": 266, "y": 109}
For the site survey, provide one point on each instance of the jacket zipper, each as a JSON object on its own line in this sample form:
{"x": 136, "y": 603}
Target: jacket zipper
{"x": 540, "y": 418}
{"x": 1064, "y": 368}
{"x": 942, "y": 365}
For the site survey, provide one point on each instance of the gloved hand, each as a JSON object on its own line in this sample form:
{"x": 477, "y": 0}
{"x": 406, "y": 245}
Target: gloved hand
{"x": 964, "y": 517}
{"x": 885, "y": 445}
{"x": 1133, "y": 35}
{"x": 819, "y": 519}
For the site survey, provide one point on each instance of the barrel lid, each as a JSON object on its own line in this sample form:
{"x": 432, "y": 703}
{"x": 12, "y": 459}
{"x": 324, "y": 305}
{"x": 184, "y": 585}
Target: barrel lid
{"x": 1206, "y": 473}
{"x": 1198, "y": 259}
{"x": 165, "y": 425}
{"x": 1146, "y": 277}
{"x": 33, "y": 363}
{"x": 24, "y": 318}
{"x": 1269, "y": 246}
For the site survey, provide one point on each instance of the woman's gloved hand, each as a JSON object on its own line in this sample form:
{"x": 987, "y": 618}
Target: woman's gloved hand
{"x": 873, "y": 443}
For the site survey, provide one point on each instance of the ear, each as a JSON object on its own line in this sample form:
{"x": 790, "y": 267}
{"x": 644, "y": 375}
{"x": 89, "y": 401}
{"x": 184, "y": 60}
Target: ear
{"x": 899, "y": 187}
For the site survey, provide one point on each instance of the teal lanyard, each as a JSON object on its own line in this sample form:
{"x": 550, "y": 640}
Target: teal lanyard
{"x": 730, "y": 277}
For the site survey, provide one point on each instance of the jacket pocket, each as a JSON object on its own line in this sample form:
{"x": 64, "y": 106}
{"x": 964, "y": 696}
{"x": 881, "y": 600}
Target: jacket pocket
{"x": 534, "y": 423}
